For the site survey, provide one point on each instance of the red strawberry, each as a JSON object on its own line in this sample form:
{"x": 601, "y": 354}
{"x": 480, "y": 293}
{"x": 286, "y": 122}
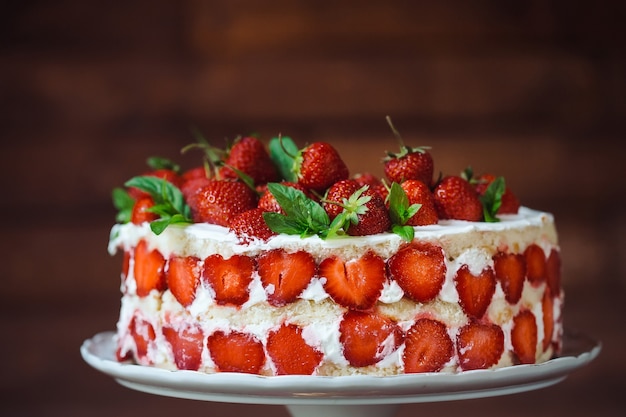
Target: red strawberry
{"x": 547, "y": 307}
{"x": 143, "y": 335}
{"x": 267, "y": 201}
{"x": 229, "y": 278}
{"x": 140, "y": 213}
{"x": 479, "y": 345}
{"x": 524, "y": 336}
{"x": 220, "y": 201}
{"x": 249, "y": 156}
{"x": 535, "y": 259}
{"x": 510, "y": 271}
{"x": 290, "y": 353}
{"x": 183, "y": 277}
{"x": 250, "y": 225}
{"x": 419, "y": 193}
{"x": 318, "y": 166}
{"x": 420, "y": 270}
{"x": 475, "y": 291}
{"x": 509, "y": 204}
{"x": 125, "y": 265}
{"x": 374, "y": 183}
{"x": 368, "y": 337}
{"x": 456, "y": 199}
{"x": 236, "y": 352}
{"x": 149, "y": 269}
{"x": 163, "y": 173}
{"x": 336, "y": 194}
{"x": 428, "y": 347}
{"x": 553, "y": 271}
{"x": 187, "y": 345}
{"x": 355, "y": 284}
{"x": 285, "y": 275}
{"x": 375, "y": 220}
{"x": 410, "y": 164}
{"x": 193, "y": 180}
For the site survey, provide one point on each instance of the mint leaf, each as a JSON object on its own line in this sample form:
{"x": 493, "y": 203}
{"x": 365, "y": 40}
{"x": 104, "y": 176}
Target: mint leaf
{"x": 492, "y": 199}
{"x": 124, "y": 203}
{"x": 400, "y": 212}
{"x": 283, "y": 151}
{"x": 405, "y": 232}
{"x": 169, "y": 203}
{"x": 156, "y": 162}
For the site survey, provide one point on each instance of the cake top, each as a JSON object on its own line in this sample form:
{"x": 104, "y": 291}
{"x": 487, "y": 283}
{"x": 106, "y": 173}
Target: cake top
{"x": 260, "y": 190}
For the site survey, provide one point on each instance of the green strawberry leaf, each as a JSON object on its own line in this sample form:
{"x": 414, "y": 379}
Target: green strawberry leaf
{"x": 405, "y": 232}
{"x": 283, "y": 152}
{"x": 492, "y": 199}
{"x": 156, "y": 162}
{"x": 169, "y": 203}
{"x": 124, "y": 203}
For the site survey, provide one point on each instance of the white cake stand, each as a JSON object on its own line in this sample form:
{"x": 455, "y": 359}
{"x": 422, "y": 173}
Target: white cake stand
{"x": 346, "y": 396}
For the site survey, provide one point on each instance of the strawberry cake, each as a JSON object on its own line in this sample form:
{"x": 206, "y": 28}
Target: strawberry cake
{"x": 275, "y": 260}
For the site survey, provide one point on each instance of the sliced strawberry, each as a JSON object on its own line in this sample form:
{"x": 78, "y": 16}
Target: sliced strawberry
{"x": 479, "y": 345}
{"x": 547, "y": 307}
{"x": 140, "y": 213}
{"x": 143, "y": 335}
{"x": 187, "y": 345}
{"x": 475, "y": 291}
{"x": 125, "y": 265}
{"x": 428, "y": 347}
{"x": 183, "y": 277}
{"x": 524, "y": 336}
{"x": 285, "y": 275}
{"x": 368, "y": 337}
{"x": 220, "y": 201}
{"x": 230, "y": 278}
{"x": 510, "y": 271}
{"x": 149, "y": 269}
{"x": 420, "y": 270}
{"x": 236, "y": 352}
{"x": 250, "y": 225}
{"x": 535, "y": 259}
{"x": 290, "y": 353}
{"x": 456, "y": 199}
{"x": 355, "y": 284}
{"x": 553, "y": 271}
{"x": 419, "y": 193}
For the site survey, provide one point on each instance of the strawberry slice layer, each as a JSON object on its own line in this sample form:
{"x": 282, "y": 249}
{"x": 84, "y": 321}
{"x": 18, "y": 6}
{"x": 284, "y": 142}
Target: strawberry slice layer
{"x": 285, "y": 275}
{"x": 149, "y": 269}
{"x": 230, "y": 278}
{"x": 428, "y": 347}
{"x": 480, "y": 345}
{"x": 290, "y": 353}
{"x": 187, "y": 345}
{"x": 420, "y": 270}
{"x": 475, "y": 291}
{"x": 236, "y": 352}
{"x": 524, "y": 336}
{"x": 183, "y": 277}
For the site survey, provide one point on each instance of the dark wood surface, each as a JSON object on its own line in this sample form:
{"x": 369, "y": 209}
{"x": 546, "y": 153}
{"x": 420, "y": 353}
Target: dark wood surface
{"x": 533, "y": 91}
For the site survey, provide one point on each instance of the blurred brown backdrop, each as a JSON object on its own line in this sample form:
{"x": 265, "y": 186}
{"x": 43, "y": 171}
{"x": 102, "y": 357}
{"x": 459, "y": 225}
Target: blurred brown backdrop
{"x": 531, "y": 90}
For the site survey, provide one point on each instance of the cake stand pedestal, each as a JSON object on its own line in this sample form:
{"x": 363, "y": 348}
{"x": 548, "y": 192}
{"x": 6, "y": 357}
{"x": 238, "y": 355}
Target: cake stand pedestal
{"x": 347, "y": 396}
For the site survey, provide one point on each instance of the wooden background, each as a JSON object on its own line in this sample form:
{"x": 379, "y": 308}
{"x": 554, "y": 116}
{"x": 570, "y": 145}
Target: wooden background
{"x": 533, "y": 90}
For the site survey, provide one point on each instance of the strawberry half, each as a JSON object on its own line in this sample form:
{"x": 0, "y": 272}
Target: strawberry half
{"x": 510, "y": 271}
{"x": 535, "y": 259}
{"x": 524, "y": 336}
{"x": 547, "y": 308}
{"x": 456, "y": 199}
{"x": 290, "y": 353}
{"x": 319, "y": 165}
{"x": 230, "y": 278}
{"x": 479, "y": 345}
{"x": 475, "y": 291}
{"x": 553, "y": 271}
{"x": 183, "y": 277}
{"x": 187, "y": 345}
{"x": 236, "y": 352}
{"x": 428, "y": 347}
{"x": 285, "y": 275}
{"x": 354, "y": 284}
{"x": 143, "y": 335}
{"x": 420, "y": 270}
{"x": 368, "y": 337}
{"x": 149, "y": 269}
{"x": 220, "y": 201}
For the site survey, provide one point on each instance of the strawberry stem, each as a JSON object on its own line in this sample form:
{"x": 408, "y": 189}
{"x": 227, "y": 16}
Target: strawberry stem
{"x": 395, "y": 132}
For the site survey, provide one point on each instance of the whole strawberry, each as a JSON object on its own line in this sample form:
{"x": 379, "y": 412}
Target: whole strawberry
{"x": 336, "y": 194}
{"x": 418, "y": 193}
{"x": 248, "y": 155}
{"x": 456, "y": 199}
{"x": 250, "y": 225}
{"x": 509, "y": 204}
{"x": 318, "y": 166}
{"x": 409, "y": 163}
{"x": 267, "y": 201}
{"x": 220, "y": 201}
